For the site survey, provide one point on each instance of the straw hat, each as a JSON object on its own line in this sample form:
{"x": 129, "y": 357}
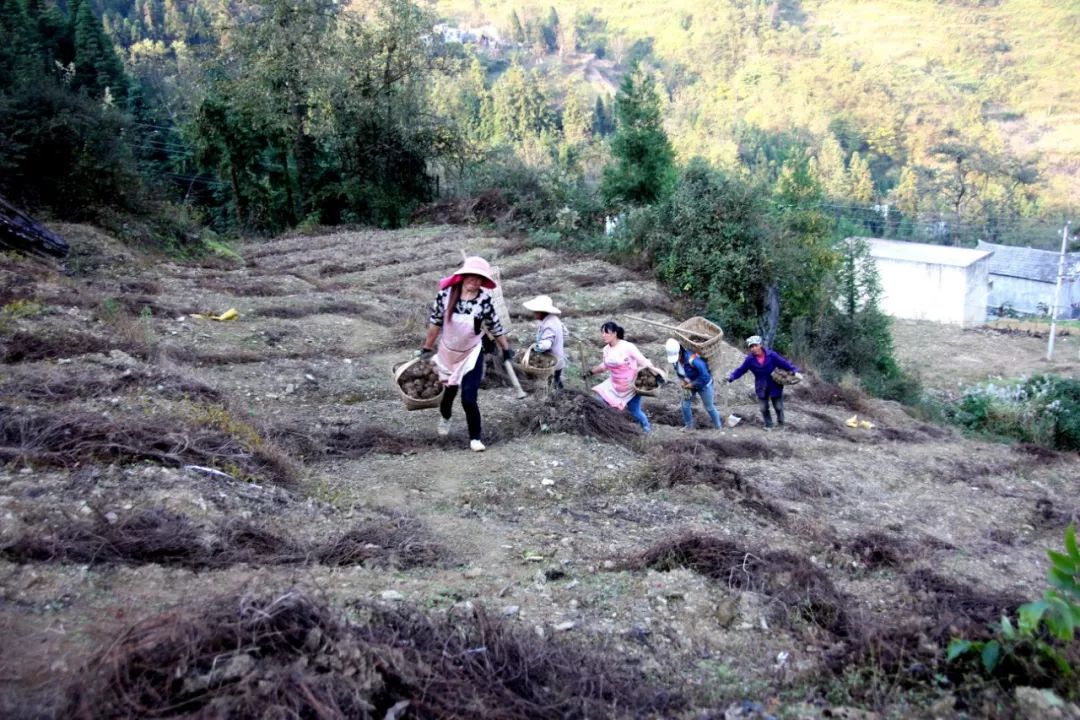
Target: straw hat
{"x": 541, "y": 303}
{"x": 474, "y": 265}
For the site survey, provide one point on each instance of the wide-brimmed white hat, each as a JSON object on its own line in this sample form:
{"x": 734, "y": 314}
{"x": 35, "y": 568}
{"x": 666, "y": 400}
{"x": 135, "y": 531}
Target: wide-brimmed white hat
{"x": 474, "y": 265}
{"x": 541, "y": 303}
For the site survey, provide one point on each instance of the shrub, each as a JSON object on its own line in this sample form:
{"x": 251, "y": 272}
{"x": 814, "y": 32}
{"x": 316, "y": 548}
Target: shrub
{"x": 1044, "y": 409}
{"x": 1039, "y": 647}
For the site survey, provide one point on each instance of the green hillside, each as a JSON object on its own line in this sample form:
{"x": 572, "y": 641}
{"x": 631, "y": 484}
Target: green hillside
{"x": 905, "y": 83}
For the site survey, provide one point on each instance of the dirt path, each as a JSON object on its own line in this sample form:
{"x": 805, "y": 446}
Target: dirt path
{"x": 293, "y": 413}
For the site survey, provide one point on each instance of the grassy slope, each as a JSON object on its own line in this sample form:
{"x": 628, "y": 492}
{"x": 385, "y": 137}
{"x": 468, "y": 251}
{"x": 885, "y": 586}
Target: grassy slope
{"x": 1003, "y": 73}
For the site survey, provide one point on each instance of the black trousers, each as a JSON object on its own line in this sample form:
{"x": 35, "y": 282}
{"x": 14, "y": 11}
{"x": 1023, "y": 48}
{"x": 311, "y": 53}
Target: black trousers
{"x": 470, "y": 390}
{"x": 778, "y": 404}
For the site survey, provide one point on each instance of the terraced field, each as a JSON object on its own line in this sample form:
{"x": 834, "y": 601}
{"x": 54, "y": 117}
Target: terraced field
{"x": 239, "y": 518}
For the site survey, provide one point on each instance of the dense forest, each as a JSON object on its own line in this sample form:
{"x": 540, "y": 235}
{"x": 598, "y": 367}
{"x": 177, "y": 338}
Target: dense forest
{"x": 738, "y": 141}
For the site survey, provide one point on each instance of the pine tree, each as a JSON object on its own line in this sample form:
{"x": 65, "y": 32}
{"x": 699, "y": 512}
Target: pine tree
{"x": 643, "y": 166}
{"x": 19, "y": 52}
{"x": 906, "y": 192}
{"x": 98, "y": 69}
{"x": 600, "y": 120}
{"x": 861, "y": 181}
{"x": 519, "y": 104}
{"x": 516, "y": 30}
{"x": 832, "y": 169}
{"x": 576, "y": 118}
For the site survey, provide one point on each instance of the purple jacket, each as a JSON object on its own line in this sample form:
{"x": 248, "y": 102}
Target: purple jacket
{"x": 764, "y": 385}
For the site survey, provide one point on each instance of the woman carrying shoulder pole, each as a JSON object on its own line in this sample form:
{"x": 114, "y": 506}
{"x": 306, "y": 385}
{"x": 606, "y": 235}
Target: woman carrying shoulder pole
{"x": 693, "y": 373}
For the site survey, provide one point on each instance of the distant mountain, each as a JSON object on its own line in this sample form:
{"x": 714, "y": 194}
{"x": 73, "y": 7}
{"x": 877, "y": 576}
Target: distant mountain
{"x": 905, "y": 83}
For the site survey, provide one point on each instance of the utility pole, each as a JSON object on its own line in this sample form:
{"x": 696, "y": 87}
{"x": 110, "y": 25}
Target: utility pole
{"x": 1057, "y": 292}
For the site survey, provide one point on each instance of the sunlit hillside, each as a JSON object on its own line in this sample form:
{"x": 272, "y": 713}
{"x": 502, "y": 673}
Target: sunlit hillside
{"x": 902, "y": 75}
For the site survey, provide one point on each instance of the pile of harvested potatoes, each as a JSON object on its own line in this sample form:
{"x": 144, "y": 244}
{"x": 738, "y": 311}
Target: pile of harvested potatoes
{"x": 541, "y": 361}
{"x": 645, "y": 380}
{"x": 420, "y": 381}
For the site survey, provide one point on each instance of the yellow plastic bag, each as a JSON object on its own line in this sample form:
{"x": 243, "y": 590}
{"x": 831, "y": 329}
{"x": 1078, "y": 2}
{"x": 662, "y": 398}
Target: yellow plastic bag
{"x": 855, "y": 422}
{"x": 230, "y": 314}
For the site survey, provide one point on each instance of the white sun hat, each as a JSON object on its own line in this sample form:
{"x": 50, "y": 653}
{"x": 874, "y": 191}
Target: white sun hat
{"x": 542, "y": 303}
{"x": 671, "y": 347}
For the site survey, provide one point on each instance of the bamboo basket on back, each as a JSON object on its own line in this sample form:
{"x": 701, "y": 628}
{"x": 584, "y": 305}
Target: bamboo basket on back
{"x": 700, "y": 335}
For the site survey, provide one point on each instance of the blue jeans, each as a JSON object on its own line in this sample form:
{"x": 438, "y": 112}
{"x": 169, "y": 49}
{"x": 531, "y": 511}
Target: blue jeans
{"x": 706, "y": 393}
{"x": 634, "y": 408}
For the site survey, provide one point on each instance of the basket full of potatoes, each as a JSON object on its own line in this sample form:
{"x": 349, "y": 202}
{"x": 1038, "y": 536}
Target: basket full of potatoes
{"x": 417, "y": 382}
{"x": 539, "y": 365}
{"x": 646, "y": 382}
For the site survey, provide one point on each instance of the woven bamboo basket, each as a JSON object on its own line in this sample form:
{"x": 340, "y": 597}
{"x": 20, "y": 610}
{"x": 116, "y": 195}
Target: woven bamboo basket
{"x": 700, "y": 335}
{"x": 646, "y": 391}
{"x": 784, "y": 377}
{"x": 523, "y": 360}
{"x": 410, "y": 402}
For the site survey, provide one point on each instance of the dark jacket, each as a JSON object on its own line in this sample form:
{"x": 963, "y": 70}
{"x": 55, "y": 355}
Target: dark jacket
{"x": 694, "y": 369}
{"x": 764, "y": 385}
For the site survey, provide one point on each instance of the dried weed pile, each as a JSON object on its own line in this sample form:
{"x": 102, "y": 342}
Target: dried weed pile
{"x": 576, "y": 412}
{"x": 348, "y": 441}
{"x": 292, "y": 657}
{"x": 797, "y": 588}
{"x": 488, "y": 207}
{"x": 67, "y": 439}
{"x": 22, "y": 346}
{"x": 911, "y": 652}
{"x": 880, "y": 550}
{"x": 702, "y": 462}
{"x": 167, "y": 538}
{"x": 49, "y": 385}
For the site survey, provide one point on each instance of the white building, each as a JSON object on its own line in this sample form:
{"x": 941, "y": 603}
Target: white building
{"x": 932, "y": 282}
{"x": 1024, "y": 279}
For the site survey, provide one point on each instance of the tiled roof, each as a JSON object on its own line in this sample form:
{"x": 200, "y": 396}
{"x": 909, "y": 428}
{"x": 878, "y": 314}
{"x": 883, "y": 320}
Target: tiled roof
{"x": 1027, "y": 263}
{"x": 924, "y": 253}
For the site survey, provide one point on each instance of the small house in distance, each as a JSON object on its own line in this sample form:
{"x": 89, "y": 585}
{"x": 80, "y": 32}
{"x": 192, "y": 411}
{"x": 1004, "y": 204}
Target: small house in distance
{"x": 1024, "y": 279}
{"x": 932, "y": 282}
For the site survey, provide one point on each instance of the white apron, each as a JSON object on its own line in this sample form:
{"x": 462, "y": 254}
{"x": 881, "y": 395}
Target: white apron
{"x": 459, "y": 348}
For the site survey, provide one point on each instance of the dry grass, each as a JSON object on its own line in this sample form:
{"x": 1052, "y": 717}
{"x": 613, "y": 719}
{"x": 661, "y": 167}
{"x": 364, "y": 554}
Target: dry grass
{"x": 702, "y": 462}
{"x": 797, "y": 588}
{"x": 289, "y": 656}
{"x": 71, "y": 438}
{"x": 877, "y": 550}
{"x": 60, "y": 384}
{"x": 162, "y": 537}
{"x": 572, "y": 411}
{"x": 325, "y": 307}
{"x": 22, "y": 346}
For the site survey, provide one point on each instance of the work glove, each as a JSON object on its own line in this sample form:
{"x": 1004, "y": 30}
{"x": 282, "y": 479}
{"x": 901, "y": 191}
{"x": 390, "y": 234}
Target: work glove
{"x": 425, "y": 354}
{"x": 586, "y": 374}
{"x": 799, "y": 375}
{"x": 508, "y": 354}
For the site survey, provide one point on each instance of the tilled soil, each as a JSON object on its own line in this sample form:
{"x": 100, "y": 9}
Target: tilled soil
{"x": 160, "y": 466}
